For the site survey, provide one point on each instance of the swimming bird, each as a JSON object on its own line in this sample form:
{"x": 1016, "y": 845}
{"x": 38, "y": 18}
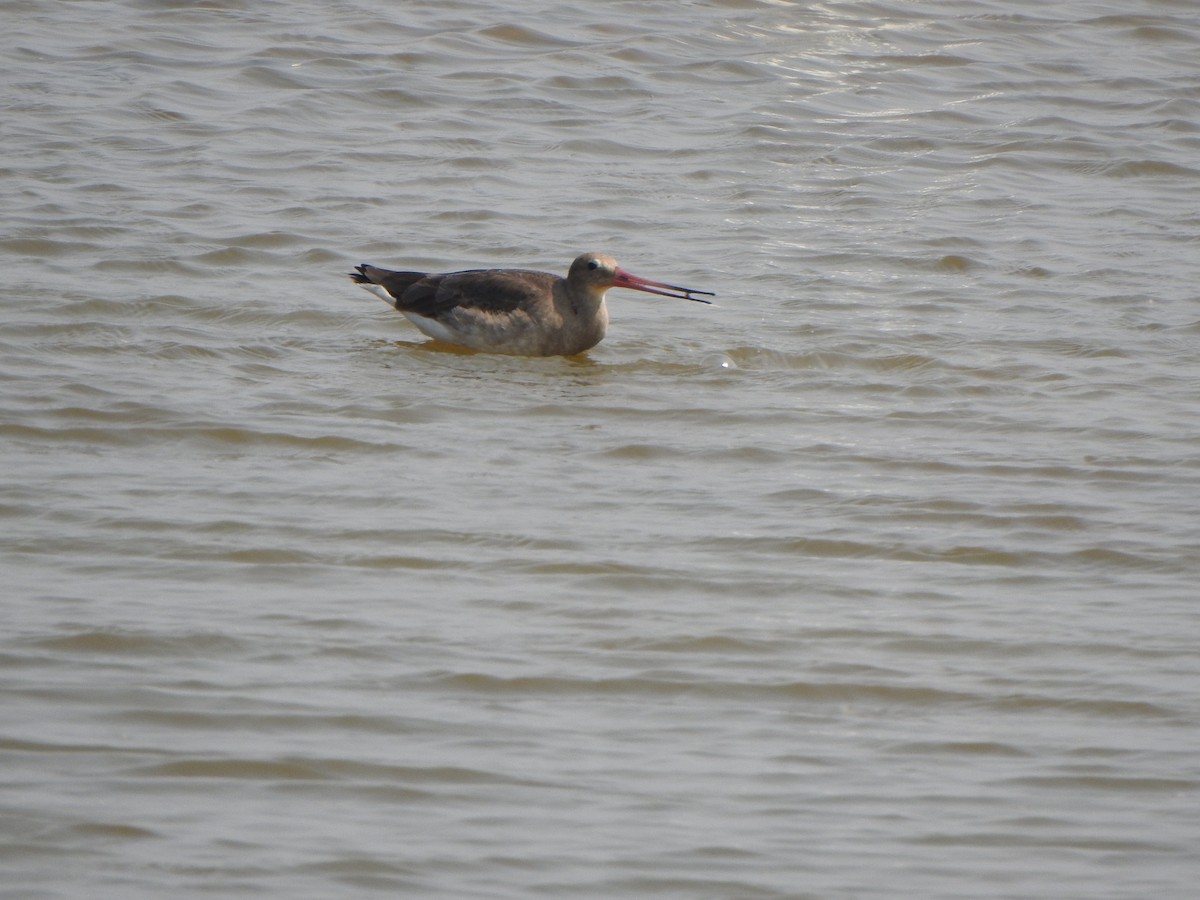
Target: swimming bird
{"x": 514, "y": 311}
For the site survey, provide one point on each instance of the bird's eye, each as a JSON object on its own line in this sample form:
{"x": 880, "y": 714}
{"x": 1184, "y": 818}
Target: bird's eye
{"x": 594, "y": 264}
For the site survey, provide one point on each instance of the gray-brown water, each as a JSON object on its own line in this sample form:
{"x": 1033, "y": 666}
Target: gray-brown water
{"x": 877, "y": 581}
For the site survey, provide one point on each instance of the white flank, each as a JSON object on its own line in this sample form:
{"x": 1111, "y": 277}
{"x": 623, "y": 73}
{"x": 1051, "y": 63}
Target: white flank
{"x": 434, "y": 329}
{"x": 380, "y": 293}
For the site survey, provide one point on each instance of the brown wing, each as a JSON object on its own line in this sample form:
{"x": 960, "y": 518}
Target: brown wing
{"x": 485, "y": 290}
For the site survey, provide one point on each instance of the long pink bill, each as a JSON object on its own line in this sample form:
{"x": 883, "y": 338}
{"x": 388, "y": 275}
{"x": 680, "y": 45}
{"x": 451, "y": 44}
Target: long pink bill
{"x": 633, "y": 282}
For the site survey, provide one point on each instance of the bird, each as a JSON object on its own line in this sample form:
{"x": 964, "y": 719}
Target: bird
{"x": 519, "y": 312}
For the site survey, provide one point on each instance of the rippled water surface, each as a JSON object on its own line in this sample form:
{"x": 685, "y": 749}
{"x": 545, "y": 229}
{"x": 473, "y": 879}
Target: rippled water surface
{"x": 877, "y": 580}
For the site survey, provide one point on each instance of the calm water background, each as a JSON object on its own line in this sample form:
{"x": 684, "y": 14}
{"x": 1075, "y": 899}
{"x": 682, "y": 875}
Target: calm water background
{"x": 877, "y": 581}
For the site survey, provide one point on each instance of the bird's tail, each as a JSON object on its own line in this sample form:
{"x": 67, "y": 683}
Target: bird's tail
{"x": 385, "y": 284}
